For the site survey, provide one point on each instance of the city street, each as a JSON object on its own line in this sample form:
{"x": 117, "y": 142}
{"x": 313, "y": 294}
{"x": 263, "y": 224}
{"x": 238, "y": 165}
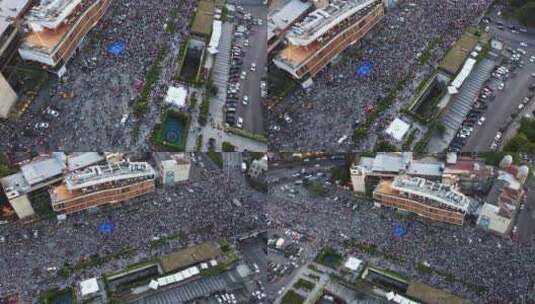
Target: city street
{"x": 253, "y": 113}
{"x": 506, "y": 102}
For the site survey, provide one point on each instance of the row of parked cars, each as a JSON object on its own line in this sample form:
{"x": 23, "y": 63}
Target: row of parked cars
{"x": 237, "y": 71}
{"x": 473, "y": 118}
{"x": 233, "y": 92}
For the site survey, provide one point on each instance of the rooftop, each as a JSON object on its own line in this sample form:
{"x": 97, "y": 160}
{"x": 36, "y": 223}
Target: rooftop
{"x": 51, "y": 13}
{"x": 441, "y": 193}
{"x": 41, "y": 170}
{"x": 9, "y": 10}
{"x": 391, "y": 162}
{"x": 280, "y": 19}
{"x": 322, "y": 20}
{"x": 95, "y": 175}
{"x": 424, "y": 168}
{"x": 79, "y": 160}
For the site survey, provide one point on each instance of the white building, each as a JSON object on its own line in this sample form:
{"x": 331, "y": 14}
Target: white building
{"x": 35, "y": 175}
{"x": 172, "y": 167}
{"x": 258, "y": 166}
{"x": 9, "y": 97}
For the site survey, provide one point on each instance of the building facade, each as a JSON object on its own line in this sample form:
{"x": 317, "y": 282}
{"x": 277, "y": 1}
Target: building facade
{"x": 101, "y": 185}
{"x": 425, "y": 198}
{"x": 57, "y": 28}
{"x": 325, "y": 33}
{"x": 172, "y": 167}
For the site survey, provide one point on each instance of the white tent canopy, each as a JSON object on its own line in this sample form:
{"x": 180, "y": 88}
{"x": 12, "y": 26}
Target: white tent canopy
{"x": 397, "y": 129}
{"x": 176, "y": 96}
{"x": 463, "y": 74}
{"x": 89, "y": 286}
{"x": 216, "y": 35}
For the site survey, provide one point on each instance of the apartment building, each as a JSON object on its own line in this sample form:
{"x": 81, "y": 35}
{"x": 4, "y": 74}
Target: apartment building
{"x": 102, "y": 184}
{"x": 56, "y": 29}
{"x": 425, "y": 198}
{"x": 324, "y": 33}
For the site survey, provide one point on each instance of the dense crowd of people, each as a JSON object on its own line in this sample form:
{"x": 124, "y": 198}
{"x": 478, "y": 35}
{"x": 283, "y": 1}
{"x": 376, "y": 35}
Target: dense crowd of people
{"x": 103, "y": 84}
{"x": 393, "y": 48}
{"x": 475, "y": 264}
{"x": 200, "y": 209}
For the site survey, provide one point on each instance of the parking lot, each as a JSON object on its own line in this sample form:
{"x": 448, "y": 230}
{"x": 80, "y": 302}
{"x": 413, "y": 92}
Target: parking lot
{"x": 511, "y": 101}
{"x": 247, "y": 67}
{"x": 460, "y": 107}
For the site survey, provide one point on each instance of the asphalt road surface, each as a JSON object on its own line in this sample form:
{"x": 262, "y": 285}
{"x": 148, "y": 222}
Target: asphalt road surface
{"x": 506, "y": 101}
{"x": 252, "y": 113}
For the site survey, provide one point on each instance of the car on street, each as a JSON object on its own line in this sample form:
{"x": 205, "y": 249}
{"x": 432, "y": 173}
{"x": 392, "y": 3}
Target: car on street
{"x": 253, "y": 67}
{"x": 51, "y": 112}
{"x": 41, "y": 125}
{"x": 239, "y": 123}
{"x": 481, "y": 120}
{"x": 243, "y": 75}
{"x": 124, "y": 118}
{"x": 523, "y": 44}
{"x": 501, "y": 86}
{"x": 245, "y": 100}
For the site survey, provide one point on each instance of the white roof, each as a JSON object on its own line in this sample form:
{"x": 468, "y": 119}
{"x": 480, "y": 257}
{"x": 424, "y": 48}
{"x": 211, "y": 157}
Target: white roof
{"x": 397, "y": 129}
{"x": 425, "y": 168}
{"x": 391, "y": 162}
{"x": 80, "y": 160}
{"x": 89, "y": 286}
{"x": 153, "y": 284}
{"x": 512, "y": 182}
{"x": 176, "y": 96}
{"x": 51, "y": 13}
{"x": 41, "y": 170}
{"x": 463, "y": 74}
{"x": 281, "y": 19}
{"x": 490, "y": 218}
{"x": 216, "y": 35}
{"x": 9, "y": 9}
{"x": 353, "y": 263}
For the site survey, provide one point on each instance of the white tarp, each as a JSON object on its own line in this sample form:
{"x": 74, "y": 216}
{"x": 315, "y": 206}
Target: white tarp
{"x": 176, "y": 96}
{"x": 89, "y": 286}
{"x": 463, "y": 74}
{"x": 216, "y": 35}
{"x": 153, "y": 284}
{"x": 353, "y": 263}
{"x": 397, "y": 129}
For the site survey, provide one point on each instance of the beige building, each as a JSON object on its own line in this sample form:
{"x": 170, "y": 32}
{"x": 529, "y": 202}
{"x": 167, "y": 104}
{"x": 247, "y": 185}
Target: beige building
{"x": 172, "y": 167}
{"x": 101, "y": 185}
{"x": 324, "y": 33}
{"x": 425, "y": 198}
{"x": 258, "y": 166}
{"x": 389, "y": 165}
{"x": 56, "y": 28}
{"x": 33, "y": 176}
{"x": 8, "y": 99}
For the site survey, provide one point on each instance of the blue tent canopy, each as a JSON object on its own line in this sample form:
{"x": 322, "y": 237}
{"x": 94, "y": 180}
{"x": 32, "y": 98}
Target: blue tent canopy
{"x": 399, "y": 231}
{"x": 105, "y": 228}
{"x": 117, "y": 47}
{"x": 365, "y": 69}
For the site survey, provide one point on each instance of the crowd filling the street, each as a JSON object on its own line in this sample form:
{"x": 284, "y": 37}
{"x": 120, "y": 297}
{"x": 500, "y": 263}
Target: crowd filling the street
{"x": 309, "y": 119}
{"x": 95, "y": 98}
